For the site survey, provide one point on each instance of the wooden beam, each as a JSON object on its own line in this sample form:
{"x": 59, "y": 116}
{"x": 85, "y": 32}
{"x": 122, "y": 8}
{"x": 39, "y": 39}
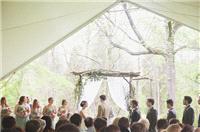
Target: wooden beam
{"x": 107, "y": 73}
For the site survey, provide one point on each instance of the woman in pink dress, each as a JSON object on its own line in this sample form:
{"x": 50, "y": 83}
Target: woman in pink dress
{"x": 36, "y": 111}
{"x": 63, "y": 110}
{"x": 5, "y": 109}
{"x": 50, "y": 110}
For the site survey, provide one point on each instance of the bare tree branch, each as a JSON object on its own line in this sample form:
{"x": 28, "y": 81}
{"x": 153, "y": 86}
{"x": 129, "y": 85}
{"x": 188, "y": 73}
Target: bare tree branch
{"x": 180, "y": 48}
{"x": 87, "y": 57}
{"x": 121, "y": 29}
{"x": 186, "y": 47}
{"x": 126, "y": 49}
{"x": 139, "y": 36}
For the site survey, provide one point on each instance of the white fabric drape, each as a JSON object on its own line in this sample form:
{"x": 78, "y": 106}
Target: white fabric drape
{"x": 90, "y": 91}
{"x": 118, "y": 88}
{"x": 29, "y": 29}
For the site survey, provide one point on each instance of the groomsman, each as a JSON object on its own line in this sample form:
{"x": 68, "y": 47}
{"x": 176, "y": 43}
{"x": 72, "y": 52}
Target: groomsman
{"x": 188, "y": 114}
{"x": 152, "y": 115}
{"x": 199, "y": 114}
{"x": 135, "y": 115}
{"x": 171, "y": 111}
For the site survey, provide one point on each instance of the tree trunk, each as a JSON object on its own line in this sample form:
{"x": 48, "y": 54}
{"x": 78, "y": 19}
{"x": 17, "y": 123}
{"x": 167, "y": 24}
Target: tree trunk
{"x": 171, "y": 76}
{"x": 170, "y": 63}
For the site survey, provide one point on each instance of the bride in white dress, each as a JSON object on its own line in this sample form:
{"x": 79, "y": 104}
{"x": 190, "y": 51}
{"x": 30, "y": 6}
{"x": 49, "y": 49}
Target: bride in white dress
{"x": 84, "y": 113}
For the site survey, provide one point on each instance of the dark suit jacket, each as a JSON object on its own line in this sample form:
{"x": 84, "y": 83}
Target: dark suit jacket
{"x": 171, "y": 114}
{"x": 188, "y": 116}
{"x": 152, "y": 116}
{"x": 135, "y": 115}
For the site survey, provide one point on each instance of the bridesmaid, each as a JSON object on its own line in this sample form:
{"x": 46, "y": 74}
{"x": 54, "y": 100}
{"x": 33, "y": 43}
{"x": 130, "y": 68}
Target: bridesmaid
{"x": 21, "y": 112}
{"x": 83, "y": 113}
{"x": 36, "y": 112}
{"x": 50, "y": 110}
{"x": 5, "y": 109}
{"x": 63, "y": 111}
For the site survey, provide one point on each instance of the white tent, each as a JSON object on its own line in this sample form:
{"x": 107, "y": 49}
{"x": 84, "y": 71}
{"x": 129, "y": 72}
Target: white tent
{"x": 29, "y": 28}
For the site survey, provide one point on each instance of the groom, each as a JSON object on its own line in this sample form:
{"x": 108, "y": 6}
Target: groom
{"x": 104, "y": 111}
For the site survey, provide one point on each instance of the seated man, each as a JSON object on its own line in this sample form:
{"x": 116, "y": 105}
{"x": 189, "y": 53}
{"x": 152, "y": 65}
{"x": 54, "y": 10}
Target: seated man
{"x": 112, "y": 128}
{"x": 99, "y": 123}
{"x": 89, "y": 124}
{"x": 123, "y": 124}
{"x": 76, "y": 120}
{"x": 8, "y": 122}
{"x": 162, "y": 124}
{"x": 68, "y": 128}
{"x": 32, "y": 126}
{"x": 138, "y": 127}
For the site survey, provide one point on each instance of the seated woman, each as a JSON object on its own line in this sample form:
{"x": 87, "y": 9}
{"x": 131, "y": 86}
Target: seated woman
{"x": 5, "y": 109}
{"x": 63, "y": 111}
{"x": 22, "y": 115}
{"x": 36, "y": 111}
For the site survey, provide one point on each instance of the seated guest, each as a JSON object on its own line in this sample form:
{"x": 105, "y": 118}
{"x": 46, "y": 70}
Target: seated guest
{"x": 112, "y": 128}
{"x": 171, "y": 111}
{"x": 99, "y": 123}
{"x": 60, "y": 123}
{"x": 187, "y": 128}
{"x": 5, "y": 109}
{"x": 162, "y": 124}
{"x": 89, "y": 124}
{"x": 138, "y": 127}
{"x": 123, "y": 124}
{"x": 76, "y": 120}
{"x": 188, "y": 114}
{"x": 174, "y": 121}
{"x": 33, "y": 126}
{"x": 115, "y": 121}
{"x": 68, "y": 128}
{"x": 197, "y": 129}
{"x": 42, "y": 124}
{"x": 8, "y": 122}
{"x": 14, "y": 129}
{"x": 152, "y": 115}
{"x": 145, "y": 122}
{"x": 174, "y": 128}
{"x": 48, "y": 127}
{"x": 135, "y": 115}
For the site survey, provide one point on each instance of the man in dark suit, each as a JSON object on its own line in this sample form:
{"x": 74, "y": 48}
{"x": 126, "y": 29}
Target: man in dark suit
{"x": 188, "y": 114}
{"x": 152, "y": 115}
{"x": 199, "y": 114}
{"x": 171, "y": 111}
{"x": 135, "y": 115}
